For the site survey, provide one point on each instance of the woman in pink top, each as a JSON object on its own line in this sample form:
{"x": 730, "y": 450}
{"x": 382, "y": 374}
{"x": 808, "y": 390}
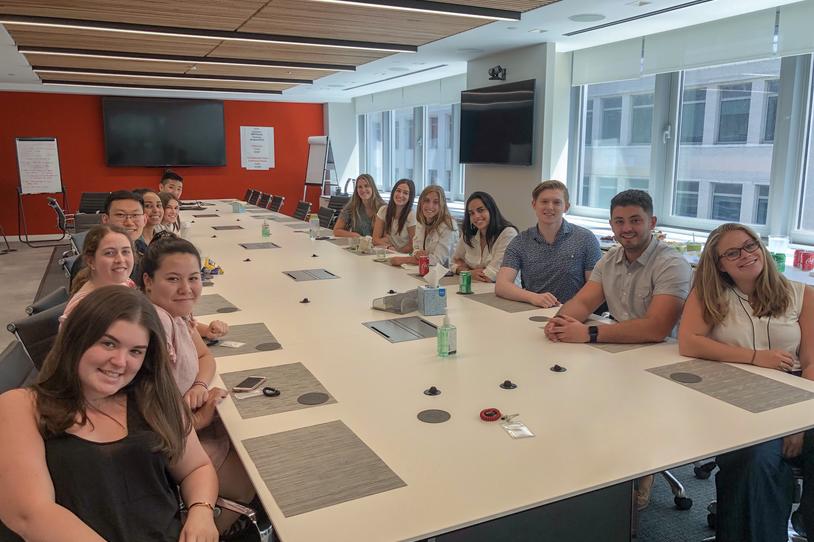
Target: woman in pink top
{"x": 171, "y": 276}
{"x": 108, "y": 256}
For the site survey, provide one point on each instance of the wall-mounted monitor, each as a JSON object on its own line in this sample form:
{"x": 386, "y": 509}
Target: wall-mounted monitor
{"x": 163, "y": 132}
{"x": 497, "y": 124}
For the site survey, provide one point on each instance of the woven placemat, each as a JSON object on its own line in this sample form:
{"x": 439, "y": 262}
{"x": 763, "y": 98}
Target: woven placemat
{"x": 506, "y": 305}
{"x": 213, "y": 304}
{"x": 257, "y": 338}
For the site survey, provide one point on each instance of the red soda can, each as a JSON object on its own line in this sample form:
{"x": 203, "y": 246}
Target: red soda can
{"x": 798, "y": 254}
{"x": 423, "y": 265}
{"x": 807, "y": 261}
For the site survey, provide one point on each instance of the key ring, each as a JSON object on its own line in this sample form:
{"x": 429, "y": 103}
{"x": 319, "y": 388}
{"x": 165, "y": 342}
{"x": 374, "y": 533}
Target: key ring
{"x": 490, "y": 414}
{"x": 271, "y": 392}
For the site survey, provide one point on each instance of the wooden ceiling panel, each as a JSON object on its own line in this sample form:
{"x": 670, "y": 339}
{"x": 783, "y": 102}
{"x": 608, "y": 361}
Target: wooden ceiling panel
{"x": 510, "y": 5}
{"x": 210, "y": 14}
{"x": 260, "y": 71}
{"x": 108, "y": 41}
{"x": 108, "y": 64}
{"x": 339, "y": 21}
{"x": 152, "y": 81}
{"x": 297, "y": 53}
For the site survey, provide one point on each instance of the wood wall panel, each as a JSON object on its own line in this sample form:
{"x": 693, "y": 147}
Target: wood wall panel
{"x": 259, "y": 71}
{"x": 211, "y": 14}
{"x": 151, "y": 81}
{"x": 294, "y": 53}
{"x": 107, "y": 64}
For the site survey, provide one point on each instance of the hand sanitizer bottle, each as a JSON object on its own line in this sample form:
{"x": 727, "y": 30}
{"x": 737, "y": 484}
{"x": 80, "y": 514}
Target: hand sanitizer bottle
{"x": 447, "y": 338}
{"x": 265, "y": 232}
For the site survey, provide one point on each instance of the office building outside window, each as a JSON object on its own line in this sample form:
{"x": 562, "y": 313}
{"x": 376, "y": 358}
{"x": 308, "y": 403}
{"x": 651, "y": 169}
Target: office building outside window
{"x": 641, "y": 119}
{"x": 374, "y": 146}
{"x": 733, "y": 116}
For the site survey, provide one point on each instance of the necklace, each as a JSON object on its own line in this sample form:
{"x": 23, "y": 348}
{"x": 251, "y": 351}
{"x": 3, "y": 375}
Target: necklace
{"x": 116, "y": 401}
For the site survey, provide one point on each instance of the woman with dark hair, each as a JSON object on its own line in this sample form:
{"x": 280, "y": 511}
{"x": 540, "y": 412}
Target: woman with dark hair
{"x": 170, "y": 221}
{"x": 395, "y": 222}
{"x": 153, "y": 213}
{"x": 172, "y": 281}
{"x": 486, "y": 234}
{"x": 742, "y": 310}
{"x": 356, "y": 217}
{"x": 93, "y": 451}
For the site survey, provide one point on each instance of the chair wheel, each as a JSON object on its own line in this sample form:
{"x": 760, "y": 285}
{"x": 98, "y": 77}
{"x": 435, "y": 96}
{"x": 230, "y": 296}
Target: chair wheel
{"x": 704, "y": 471}
{"x": 683, "y": 503}
{"x": 711, "y": 520}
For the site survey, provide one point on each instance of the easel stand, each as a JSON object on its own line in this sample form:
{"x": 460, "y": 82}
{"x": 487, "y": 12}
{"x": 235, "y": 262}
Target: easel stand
{"x": 38, "y": 169}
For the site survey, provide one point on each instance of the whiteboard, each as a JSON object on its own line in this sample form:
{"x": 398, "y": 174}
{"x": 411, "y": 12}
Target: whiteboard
{"x": 38, "y": 165}
{"x": 317, "y": 159}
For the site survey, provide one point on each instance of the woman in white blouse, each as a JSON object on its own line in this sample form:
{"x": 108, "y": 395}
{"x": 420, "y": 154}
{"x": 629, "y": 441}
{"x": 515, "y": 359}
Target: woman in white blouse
{"x": 436, "y": 231}
{"x": 485, "y": 236}
{"x": 742, "y": 310}
{"x": 395, "y": 222}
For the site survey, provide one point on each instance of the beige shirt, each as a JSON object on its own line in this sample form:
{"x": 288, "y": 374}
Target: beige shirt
{"x": 489, "y": 259}
{"x": 398, "y": 240}
{"x": 439, "y": 243}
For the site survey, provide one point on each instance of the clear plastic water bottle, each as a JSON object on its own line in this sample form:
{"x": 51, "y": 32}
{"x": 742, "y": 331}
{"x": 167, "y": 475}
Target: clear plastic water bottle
{"x": 313, "y": 226}
{"x": 265, "y": 231}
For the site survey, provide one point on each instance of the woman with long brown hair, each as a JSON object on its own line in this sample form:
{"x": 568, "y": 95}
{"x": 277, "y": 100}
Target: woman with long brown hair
{"x": 395, "y": 222}
{"x": 94, "y": 449}
{"x": 357, "y": 216}
{"x": 742, "y": 310}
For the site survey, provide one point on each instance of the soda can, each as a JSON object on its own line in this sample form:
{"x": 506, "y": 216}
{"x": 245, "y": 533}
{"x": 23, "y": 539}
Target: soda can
{"x": 780, "y": 260}
{"x": 807, "y": 261}
{"x": 798, "y": 256}
{"x": 465, "y": 282}
{"x": 423, "y": 265}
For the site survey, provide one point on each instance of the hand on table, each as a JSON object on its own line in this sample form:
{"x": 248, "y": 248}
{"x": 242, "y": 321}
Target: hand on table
{"x": 774, "y": 359}
{"x": 566, "y": 329}
{"x": 217, "y": 329}
{"x": 196, "y": 396}
{"x": 545, "y": 300}
{"x": 480, "y": 276}
{"x": 204, "y": 415}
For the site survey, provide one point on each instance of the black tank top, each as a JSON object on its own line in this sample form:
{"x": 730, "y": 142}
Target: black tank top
{"x": 122, "y": 489}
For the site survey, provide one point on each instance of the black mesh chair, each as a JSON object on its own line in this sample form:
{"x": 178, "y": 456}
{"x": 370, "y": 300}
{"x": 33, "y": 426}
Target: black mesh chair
{"x": 84, "y": 221}
{"x": 338, "y": 202}
{"x": 302, "y": 210}
{"x": 64, "y": 221}
{"x": 263, "y": 200}
{"x": 248, "y": 194}
{"x": 276, "y": 203}
{"x": 38, "y": 332}
{"x": 326, "y": 217}
{"x": 57, "y": 297}
{"x": 92, "y": 202}
{"x": 16, "y": 369}
{"x": 255, "y": 196}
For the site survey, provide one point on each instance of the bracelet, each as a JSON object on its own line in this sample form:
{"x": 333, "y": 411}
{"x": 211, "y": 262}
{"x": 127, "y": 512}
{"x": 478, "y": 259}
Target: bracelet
{"x": 201, "y": 503}
{"x": 200, "y": 383}
{"x": 754, "y": 355}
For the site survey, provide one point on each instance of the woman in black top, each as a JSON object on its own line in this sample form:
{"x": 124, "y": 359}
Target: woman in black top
{"x": 94, "y": 450}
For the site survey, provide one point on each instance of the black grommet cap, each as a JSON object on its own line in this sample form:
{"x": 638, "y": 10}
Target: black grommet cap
{"x": 247, "y": 260}
{"x": 508, "y": 385}
{"x": 214, "y": 236}
{"x": 391, "y": 291}
{"x": 432, "y": 390}
{"x": 271, "y": 392}
{"x": 558, "y": 369}
{"x": 305, "y": 300}
{"x": 315, "y": 255}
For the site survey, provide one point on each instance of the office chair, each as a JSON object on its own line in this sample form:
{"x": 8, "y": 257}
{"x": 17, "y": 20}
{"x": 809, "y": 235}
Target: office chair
{"x": 16, "y": 369}
{"x": 82, "y": 222}
{"x": 326, "y": 217}
{"x": 276, "y": 204}
{"x": 37, "y": 333}
{"x": 338, "y": 202}
{"x": 254, "y": 197}
{"x": 263, "y": 200}
{"x": 248, "y": 194}
{"x": 57, "y": 297}
{"x": 64, "y": 221}
{"x": 302, "y": 210}
{"x": 92, "y": 202}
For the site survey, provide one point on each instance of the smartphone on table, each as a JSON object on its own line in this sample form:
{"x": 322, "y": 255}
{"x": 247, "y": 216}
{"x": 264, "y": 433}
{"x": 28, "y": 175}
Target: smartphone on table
{"x": 249, "y": 384}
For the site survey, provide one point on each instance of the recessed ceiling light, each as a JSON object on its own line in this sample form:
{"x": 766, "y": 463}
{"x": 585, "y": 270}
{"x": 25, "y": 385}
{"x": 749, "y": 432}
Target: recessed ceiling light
{"x": 511, "y": 28}
{"x": 469, "y": 51}
{"x": 586, "y": 17}
{"x": 398, "y": 69}
{"x": 538, "y": 30}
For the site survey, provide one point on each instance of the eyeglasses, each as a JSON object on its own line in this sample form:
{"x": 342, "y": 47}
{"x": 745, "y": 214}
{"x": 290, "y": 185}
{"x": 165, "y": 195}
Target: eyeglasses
{"x": 123, "y": 217}
{"x": 734, "y": 253}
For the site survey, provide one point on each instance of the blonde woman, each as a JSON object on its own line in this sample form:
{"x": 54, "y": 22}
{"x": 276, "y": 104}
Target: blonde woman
{"x": 742, "y": 310}
{"x": 395, "y": 222}
{"x": 436, "y": 232}
{"x": 356, "y": 218}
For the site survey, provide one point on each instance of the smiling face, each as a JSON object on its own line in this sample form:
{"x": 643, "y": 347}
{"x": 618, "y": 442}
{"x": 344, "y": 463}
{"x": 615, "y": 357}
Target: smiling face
{"x": 170, "y": 212}
{"x": 112, "y": 262}
{"x": 430, "y": 206}
{"x": 549, "y": 206}
{"x": 176, "y": 285}
{"x": 127, "y": 213}
{"x": 632, "y": 227}
{"x": 113, "y": 361}
{"x": 478, "y": 214}
{"x": 153, "y": 210}
{"x": 740, "y": 256}
{"x": 363, "y": 189}
{"x": 173, "y": 187}
{"x": 401, "y": 194}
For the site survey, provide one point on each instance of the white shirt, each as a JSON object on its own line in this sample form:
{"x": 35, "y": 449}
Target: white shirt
{"x": 398, "y": 240}
{"x": 489, "y": 260}
{"x": 742, "y": 328}
{"x": 439, "y": 243}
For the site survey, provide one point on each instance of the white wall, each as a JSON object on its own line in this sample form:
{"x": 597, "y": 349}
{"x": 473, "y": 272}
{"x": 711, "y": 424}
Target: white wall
{"x": 340, "y": 125}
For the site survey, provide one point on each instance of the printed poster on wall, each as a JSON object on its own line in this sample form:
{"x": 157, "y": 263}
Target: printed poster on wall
{"x": 256, "y": 147}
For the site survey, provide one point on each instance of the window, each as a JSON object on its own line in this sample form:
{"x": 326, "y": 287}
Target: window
{"x": 726, "y": 202}
{"x": 403, "y": 156}
{"x": 439, "y": 152}
{"x": 693, "y": 107}
{"x": 733, "y": 123}
{"x": 805, "y": 216}
{"x": 609, "y": 164}
{"x": 761, "y": 204}
{"x": 642, "y": 119}
{"x": 686, "y": 199}
{"x": 433, "y": 132}
{"x": 771, "y": 89}
{"x": 374, "y": 146}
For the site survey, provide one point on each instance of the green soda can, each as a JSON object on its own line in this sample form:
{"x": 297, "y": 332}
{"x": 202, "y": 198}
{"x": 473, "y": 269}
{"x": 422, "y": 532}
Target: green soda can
{"x": 465, "y": 282}
{"x": 780, "y": 260}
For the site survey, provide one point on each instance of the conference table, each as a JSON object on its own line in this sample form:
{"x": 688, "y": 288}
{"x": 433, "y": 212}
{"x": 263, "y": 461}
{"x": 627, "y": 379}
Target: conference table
{"x": 600, "y": 424}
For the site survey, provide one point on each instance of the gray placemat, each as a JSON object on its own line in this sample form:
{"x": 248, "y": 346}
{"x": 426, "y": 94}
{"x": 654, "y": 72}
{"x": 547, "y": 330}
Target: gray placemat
{"x": 319, "y": 466}
{"x": 278, "y": 218}
{"x": 740, "y": 388}
{"x": 301, "y": 275}
{"x": 258, "y": 246}
{"x": 506, "y": 305}
{"x": 617, "y": 348}
{"x": 266, "y": 211}
{"x": 213, "y": 304}
{"x": 292, "y": 379}
{"x": 224, "y": 228}
{"x": 297, "y": 224}
{"x": 257, "y": 338}
{"x": 208, "y": 215}
{"x": 261, "y": 217}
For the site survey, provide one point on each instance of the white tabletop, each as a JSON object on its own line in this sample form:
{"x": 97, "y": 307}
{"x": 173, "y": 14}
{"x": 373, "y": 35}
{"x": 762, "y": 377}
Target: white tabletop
{"x": 604, "y": 421}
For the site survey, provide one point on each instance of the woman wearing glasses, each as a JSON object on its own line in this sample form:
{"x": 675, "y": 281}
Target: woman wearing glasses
{"x": 742, "y": 310}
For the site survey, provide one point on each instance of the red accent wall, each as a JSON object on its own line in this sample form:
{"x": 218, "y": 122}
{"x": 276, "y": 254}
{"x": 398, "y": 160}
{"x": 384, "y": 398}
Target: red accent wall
{"x": 76, "y": 122}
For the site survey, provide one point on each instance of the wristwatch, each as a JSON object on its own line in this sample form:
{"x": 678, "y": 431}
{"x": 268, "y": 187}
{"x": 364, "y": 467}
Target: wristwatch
{"x": 593, "y": 334}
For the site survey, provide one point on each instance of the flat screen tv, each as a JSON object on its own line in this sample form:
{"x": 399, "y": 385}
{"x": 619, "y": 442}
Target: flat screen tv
{"x": 497, "y": 124}
{"x": 163, "y": 132}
